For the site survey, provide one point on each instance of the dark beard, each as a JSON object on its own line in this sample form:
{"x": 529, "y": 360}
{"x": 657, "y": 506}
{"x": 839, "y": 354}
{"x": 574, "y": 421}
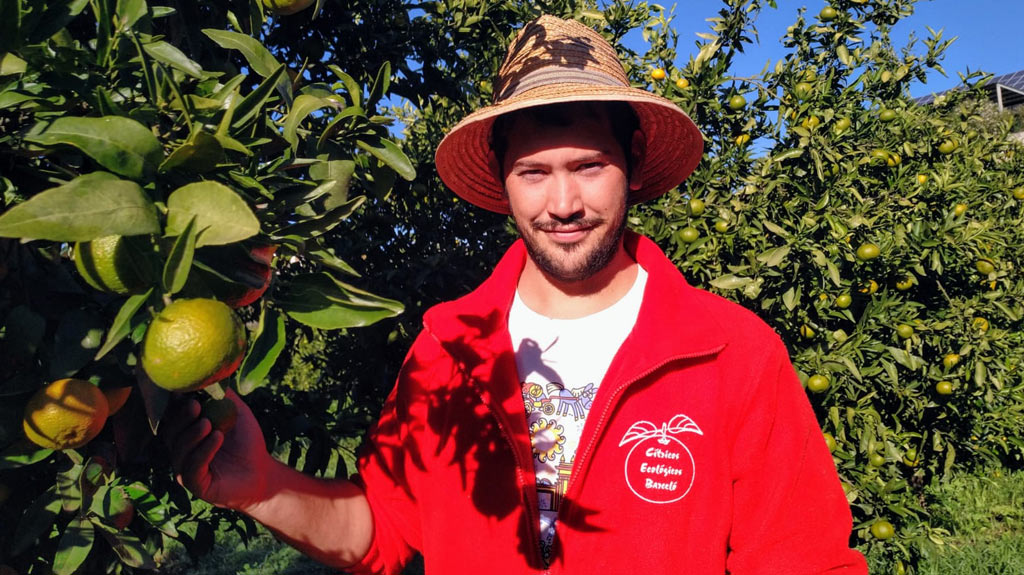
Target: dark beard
{"x": 595, "y": 261}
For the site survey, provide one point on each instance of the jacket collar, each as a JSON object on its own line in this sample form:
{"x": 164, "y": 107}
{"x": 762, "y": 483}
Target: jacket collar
{"x": 674, "y": 320}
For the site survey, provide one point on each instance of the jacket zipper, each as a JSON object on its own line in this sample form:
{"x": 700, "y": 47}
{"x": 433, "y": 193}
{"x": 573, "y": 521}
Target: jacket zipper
{"x": 533, "y": 522}
{"x": 582, "y": 456}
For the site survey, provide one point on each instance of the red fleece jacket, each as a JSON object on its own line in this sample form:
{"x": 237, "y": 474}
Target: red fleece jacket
{"x": 701, "y": 454}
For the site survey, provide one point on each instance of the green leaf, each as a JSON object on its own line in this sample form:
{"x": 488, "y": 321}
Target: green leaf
{"x": 90, "y": 206}
{"x": 37, "y": 520}
{"x": 179, "y": 261}
{"x": 122, "y": 325}
{"x": 169, "y": 54}
{"x": 774, "y": 256}
{"x": 730, "y": 281}
{"x": 318, "y": 300}
{"x": 200, "y": 153}
{"x": 263, "y": 353}
{"x": 151, "y": 509}
{"x": 386, "y": 151}
{"x": 21, "y": 454}
{"x": 74, "y": 546}
{"x": 905, "y": 359}
{"x": 321, "y": 224}
{"x": 11, "y": 64}
{"x": 222, "y": 216}
{"x": 333, "y": 262}
{"x": 129, "y": 549}
{"x": 259, "y": 58}
{"x": 119, "y": 144}
{"x": 131, "y": 11}
{"x": 253, "y": 102}
{"x": 380, "y": 85}
{"x": 355, "y": 91}
{"x": 303, "y": 106}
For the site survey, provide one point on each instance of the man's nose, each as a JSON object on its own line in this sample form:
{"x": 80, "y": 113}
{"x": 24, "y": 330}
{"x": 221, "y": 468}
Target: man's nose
{"x": 564, "y": 198}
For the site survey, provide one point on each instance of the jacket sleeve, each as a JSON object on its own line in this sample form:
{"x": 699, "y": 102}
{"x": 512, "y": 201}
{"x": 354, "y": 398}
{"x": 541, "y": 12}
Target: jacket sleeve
{"x": 790, "y": 515}
{"x": 389, "y": 465}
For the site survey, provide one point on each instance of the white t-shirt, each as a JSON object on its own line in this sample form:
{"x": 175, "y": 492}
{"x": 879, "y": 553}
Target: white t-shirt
{"x": 561, "y": 363}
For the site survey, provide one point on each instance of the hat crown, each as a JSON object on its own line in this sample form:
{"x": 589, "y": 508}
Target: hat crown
{"x": 549, "y": 51}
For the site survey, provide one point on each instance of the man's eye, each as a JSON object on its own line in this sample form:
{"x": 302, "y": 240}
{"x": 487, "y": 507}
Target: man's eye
{"x": 591, "y": 166}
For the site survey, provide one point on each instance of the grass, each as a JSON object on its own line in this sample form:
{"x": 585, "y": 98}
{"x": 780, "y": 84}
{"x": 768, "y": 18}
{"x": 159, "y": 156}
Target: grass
{"x": 985, "y": 514}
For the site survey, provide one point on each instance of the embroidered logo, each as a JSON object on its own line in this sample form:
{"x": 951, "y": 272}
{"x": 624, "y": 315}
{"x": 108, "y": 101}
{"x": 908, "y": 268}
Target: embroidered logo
{"x": 659, "y": 467}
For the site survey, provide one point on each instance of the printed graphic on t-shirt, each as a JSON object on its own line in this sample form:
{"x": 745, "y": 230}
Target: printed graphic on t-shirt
{"x": 555, "y": 416}
{"x": 561, "y": 363}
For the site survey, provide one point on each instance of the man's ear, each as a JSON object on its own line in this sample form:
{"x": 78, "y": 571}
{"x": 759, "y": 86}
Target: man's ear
{"x": 637, "y": 153}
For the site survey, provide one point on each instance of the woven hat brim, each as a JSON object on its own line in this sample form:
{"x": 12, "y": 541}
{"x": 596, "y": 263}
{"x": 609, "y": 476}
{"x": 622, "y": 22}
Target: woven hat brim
{"x": 674, "y": 144}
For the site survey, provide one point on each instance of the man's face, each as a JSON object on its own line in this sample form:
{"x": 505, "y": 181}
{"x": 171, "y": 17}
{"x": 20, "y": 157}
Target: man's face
{"x": 567, "y": 188}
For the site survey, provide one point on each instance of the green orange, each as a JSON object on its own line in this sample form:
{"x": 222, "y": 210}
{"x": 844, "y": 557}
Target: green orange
{"x": 192, "y": 343}
{"x": 286, "y": 7}
{"x": 107, "y": 265}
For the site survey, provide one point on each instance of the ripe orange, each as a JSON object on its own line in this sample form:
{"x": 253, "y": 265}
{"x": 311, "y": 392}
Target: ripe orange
{"x": 192, "y": 343}
{"x": 742, "y": 139}
{"x": 682, "y": 83}
{"x": 818, "y": 383}
{"x": 906, "y": 283}
{"x": 286, "y": 7}
{"x": 869, "y": 288}
{"x": 116, "y": 397}
{"x": 882, "y": 529}
{"x": 107, "y": 265}
{"x": 806, "y": 331}
{"x": 658, "y": 73}
{"x": 980, "y": 324}
{"x": 959, "y": 209}
{"x": 922, "y": 178}
{"x": 65, "y": 414}
{"x": 950, "y": 360}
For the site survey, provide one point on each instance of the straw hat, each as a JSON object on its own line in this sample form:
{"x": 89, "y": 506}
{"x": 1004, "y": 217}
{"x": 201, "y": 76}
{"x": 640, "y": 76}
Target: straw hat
{"x": 550, "y": 61}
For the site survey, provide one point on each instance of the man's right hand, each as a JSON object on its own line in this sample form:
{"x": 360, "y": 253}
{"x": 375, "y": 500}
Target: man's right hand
{"x": 225, "y": 469}
{"x": 328, "y": 519}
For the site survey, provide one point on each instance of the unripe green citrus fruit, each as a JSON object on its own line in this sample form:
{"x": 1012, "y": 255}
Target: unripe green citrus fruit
{"x": 286, "y": 7}
{"x": 106, "y": 264}
{"x": 192, "y": 343}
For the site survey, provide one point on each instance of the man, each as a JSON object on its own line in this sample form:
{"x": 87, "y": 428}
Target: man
{"x": 584, "y": 410}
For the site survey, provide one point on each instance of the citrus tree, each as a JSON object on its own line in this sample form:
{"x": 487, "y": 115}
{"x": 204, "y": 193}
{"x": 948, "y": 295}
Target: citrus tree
{"x": 168, "y": 192}
{"x": 880, "y": 237}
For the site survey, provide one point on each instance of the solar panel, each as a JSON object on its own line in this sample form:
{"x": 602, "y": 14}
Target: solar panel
{"x": 1013, "y": 80}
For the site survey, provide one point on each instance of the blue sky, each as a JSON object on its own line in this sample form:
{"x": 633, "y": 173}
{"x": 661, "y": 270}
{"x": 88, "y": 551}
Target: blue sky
{"x": 988, "y": 34}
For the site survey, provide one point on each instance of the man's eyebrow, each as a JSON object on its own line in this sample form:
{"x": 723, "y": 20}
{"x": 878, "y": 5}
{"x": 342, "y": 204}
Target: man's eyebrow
{"x": 582, "y": 159}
